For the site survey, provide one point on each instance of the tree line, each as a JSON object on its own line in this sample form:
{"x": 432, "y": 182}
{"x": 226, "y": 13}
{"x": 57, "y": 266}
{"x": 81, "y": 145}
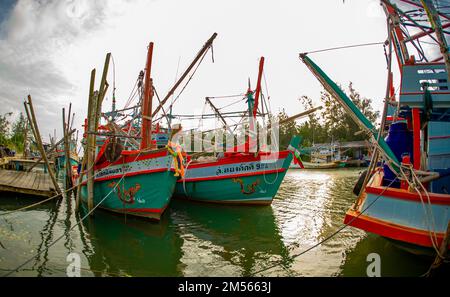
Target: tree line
{"x": 12, "y": 134}
{"x": 331, "y": 124}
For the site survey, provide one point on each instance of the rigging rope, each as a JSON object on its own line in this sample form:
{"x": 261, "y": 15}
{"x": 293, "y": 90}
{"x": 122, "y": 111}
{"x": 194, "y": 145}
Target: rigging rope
{"x": 328, "y": 237}
{"x": 71, "y": 228}
{"x": 345, "y": 47}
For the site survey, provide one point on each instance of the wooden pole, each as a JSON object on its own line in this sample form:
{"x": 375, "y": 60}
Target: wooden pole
{"x": 67, "y": 148}
{"x": 25, "y": 140}
{"x": 40, "y": 145}
{"x": 146, "y": 130}
{"x": 86, "y": 152}
{"x": 101, "y": 93}
{"x": 90, "y": 144}
{"x": 31, "y": 125}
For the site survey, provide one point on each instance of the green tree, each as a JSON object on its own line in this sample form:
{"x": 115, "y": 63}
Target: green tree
{"x": 338, "y": 123}
{"x": 4, "y": 128}
{"x": 18, "y": 132}
{"x": 286, "y": 130}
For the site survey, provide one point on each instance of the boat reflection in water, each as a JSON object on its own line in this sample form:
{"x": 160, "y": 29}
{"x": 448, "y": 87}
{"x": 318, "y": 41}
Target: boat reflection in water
{"x": 227, "y": 240}
{"x": 132, "y": 246}
{"x": 192, "y": 239}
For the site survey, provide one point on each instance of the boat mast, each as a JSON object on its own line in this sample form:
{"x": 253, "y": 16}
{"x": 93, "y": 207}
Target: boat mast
{"x": 436, "y": 25}
{"x": 397, "y": 35}
{"x": 253, "y": 109}
{"x": 146, "y": 110}
{"x": 258, "y": 86}
{"x": 331, "y": 87}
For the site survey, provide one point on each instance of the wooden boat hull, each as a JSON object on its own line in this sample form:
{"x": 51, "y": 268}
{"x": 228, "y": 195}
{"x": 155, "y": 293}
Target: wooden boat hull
{"x": 145, "y": 189}
{"x": 235, "y": 180}
{"x": 309, "y": 165}
{"x": 400, "y": 215}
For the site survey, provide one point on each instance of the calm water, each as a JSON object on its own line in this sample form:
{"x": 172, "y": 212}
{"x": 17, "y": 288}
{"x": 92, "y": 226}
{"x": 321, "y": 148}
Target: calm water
{"x": 206, "y": 240}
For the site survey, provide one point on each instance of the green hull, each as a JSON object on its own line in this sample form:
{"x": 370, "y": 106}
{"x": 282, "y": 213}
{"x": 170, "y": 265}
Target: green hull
{"x": 257, "y": 189}
{"x": 144, "y": 195}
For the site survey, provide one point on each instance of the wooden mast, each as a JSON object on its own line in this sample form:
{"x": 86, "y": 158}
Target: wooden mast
{"x": 258, "y": 86}
{"x": 251, "y": 143}
{"x": 146, "y": 131}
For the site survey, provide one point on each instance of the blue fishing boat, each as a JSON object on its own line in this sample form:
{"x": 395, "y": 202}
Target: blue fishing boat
{"x": 407, "y": 199}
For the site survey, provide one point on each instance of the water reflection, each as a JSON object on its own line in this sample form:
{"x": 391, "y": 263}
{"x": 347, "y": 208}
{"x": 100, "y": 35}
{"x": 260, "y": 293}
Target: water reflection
{"x": 198, "y": 239}
{"x": 132, "y": 246}
{"x": 227, "y": 240}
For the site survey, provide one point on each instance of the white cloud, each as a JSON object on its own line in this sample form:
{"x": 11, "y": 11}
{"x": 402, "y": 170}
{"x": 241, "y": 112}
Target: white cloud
{"x": 49, "y": 47}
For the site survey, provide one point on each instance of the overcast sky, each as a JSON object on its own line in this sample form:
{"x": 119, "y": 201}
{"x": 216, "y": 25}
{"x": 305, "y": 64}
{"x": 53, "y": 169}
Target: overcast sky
{"x": 48, "y": 48}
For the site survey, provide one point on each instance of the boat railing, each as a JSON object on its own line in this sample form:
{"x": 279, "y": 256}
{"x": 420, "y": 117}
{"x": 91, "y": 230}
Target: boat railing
{"x": 414, "y": 79}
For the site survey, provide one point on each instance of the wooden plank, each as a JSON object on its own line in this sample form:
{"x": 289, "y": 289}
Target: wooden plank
{"x": 28, "y": 180}
{"x": 31, "y": 183}
{"x": 17, "y": 178}
{"x": 45, "y": 183}
{"x": 36, "y": 181}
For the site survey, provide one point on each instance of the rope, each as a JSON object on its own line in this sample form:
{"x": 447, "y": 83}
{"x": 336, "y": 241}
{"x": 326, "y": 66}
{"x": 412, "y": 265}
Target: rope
{"x": 428, "y": 211}
{"x": 229, "y": 96}
{"x": 37, "y": 203}
{"x": 344, "y": 47}
{"x": 233, "y": 103}
{"x": 329, "y": 237}
{"x": 413, "y": 185}
{"x": 184, "y": 179}
{"x": 78, "y": 223}
{"x": 190, "y": 78}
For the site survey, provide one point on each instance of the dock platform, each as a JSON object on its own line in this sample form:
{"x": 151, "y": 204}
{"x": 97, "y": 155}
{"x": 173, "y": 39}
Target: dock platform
{"x": 30, "y": 183}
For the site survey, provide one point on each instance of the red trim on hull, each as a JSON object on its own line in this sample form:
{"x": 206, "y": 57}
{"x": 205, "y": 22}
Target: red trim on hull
{"x": 131, "y": 156}
{"x": 443, "y": 199}
{"x": 195, "y": 179}
{"x": 239, "y": 158}
{"x": 143, "y": 210}
{"x": 149, "y": 213}
{"x": 130, "y": 174}
{"x": 390, "y": 230}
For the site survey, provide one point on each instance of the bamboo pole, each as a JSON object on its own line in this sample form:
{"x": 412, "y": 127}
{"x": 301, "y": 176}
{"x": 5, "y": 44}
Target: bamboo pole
{"x": 90, "y": 145}
{"x": 86, "y": 150}
{"x": 25, "y": 140}
{"x": 40, "y": 145}
{"x": 67, "y": 148}
{"x": 101, "y": 92}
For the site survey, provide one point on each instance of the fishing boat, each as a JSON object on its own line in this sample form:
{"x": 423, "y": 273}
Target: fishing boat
{"x": 138, "y": 176}
{"x": 320, "y": 165}
{"x": 407, "y": 199}
{"x": 322, "y": 157}
{"x": 240, "y": 175}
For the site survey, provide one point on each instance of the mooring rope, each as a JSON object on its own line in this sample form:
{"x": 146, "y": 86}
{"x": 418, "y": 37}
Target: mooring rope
{"x": 50, "y": 198}
{"x": 67, "y": 231}
{"x": 328, "y": 237}
{"x": 38, "y": 203}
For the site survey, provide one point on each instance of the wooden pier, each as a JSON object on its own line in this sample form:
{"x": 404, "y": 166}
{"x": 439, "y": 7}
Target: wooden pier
{"x": 30, "y": 183}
